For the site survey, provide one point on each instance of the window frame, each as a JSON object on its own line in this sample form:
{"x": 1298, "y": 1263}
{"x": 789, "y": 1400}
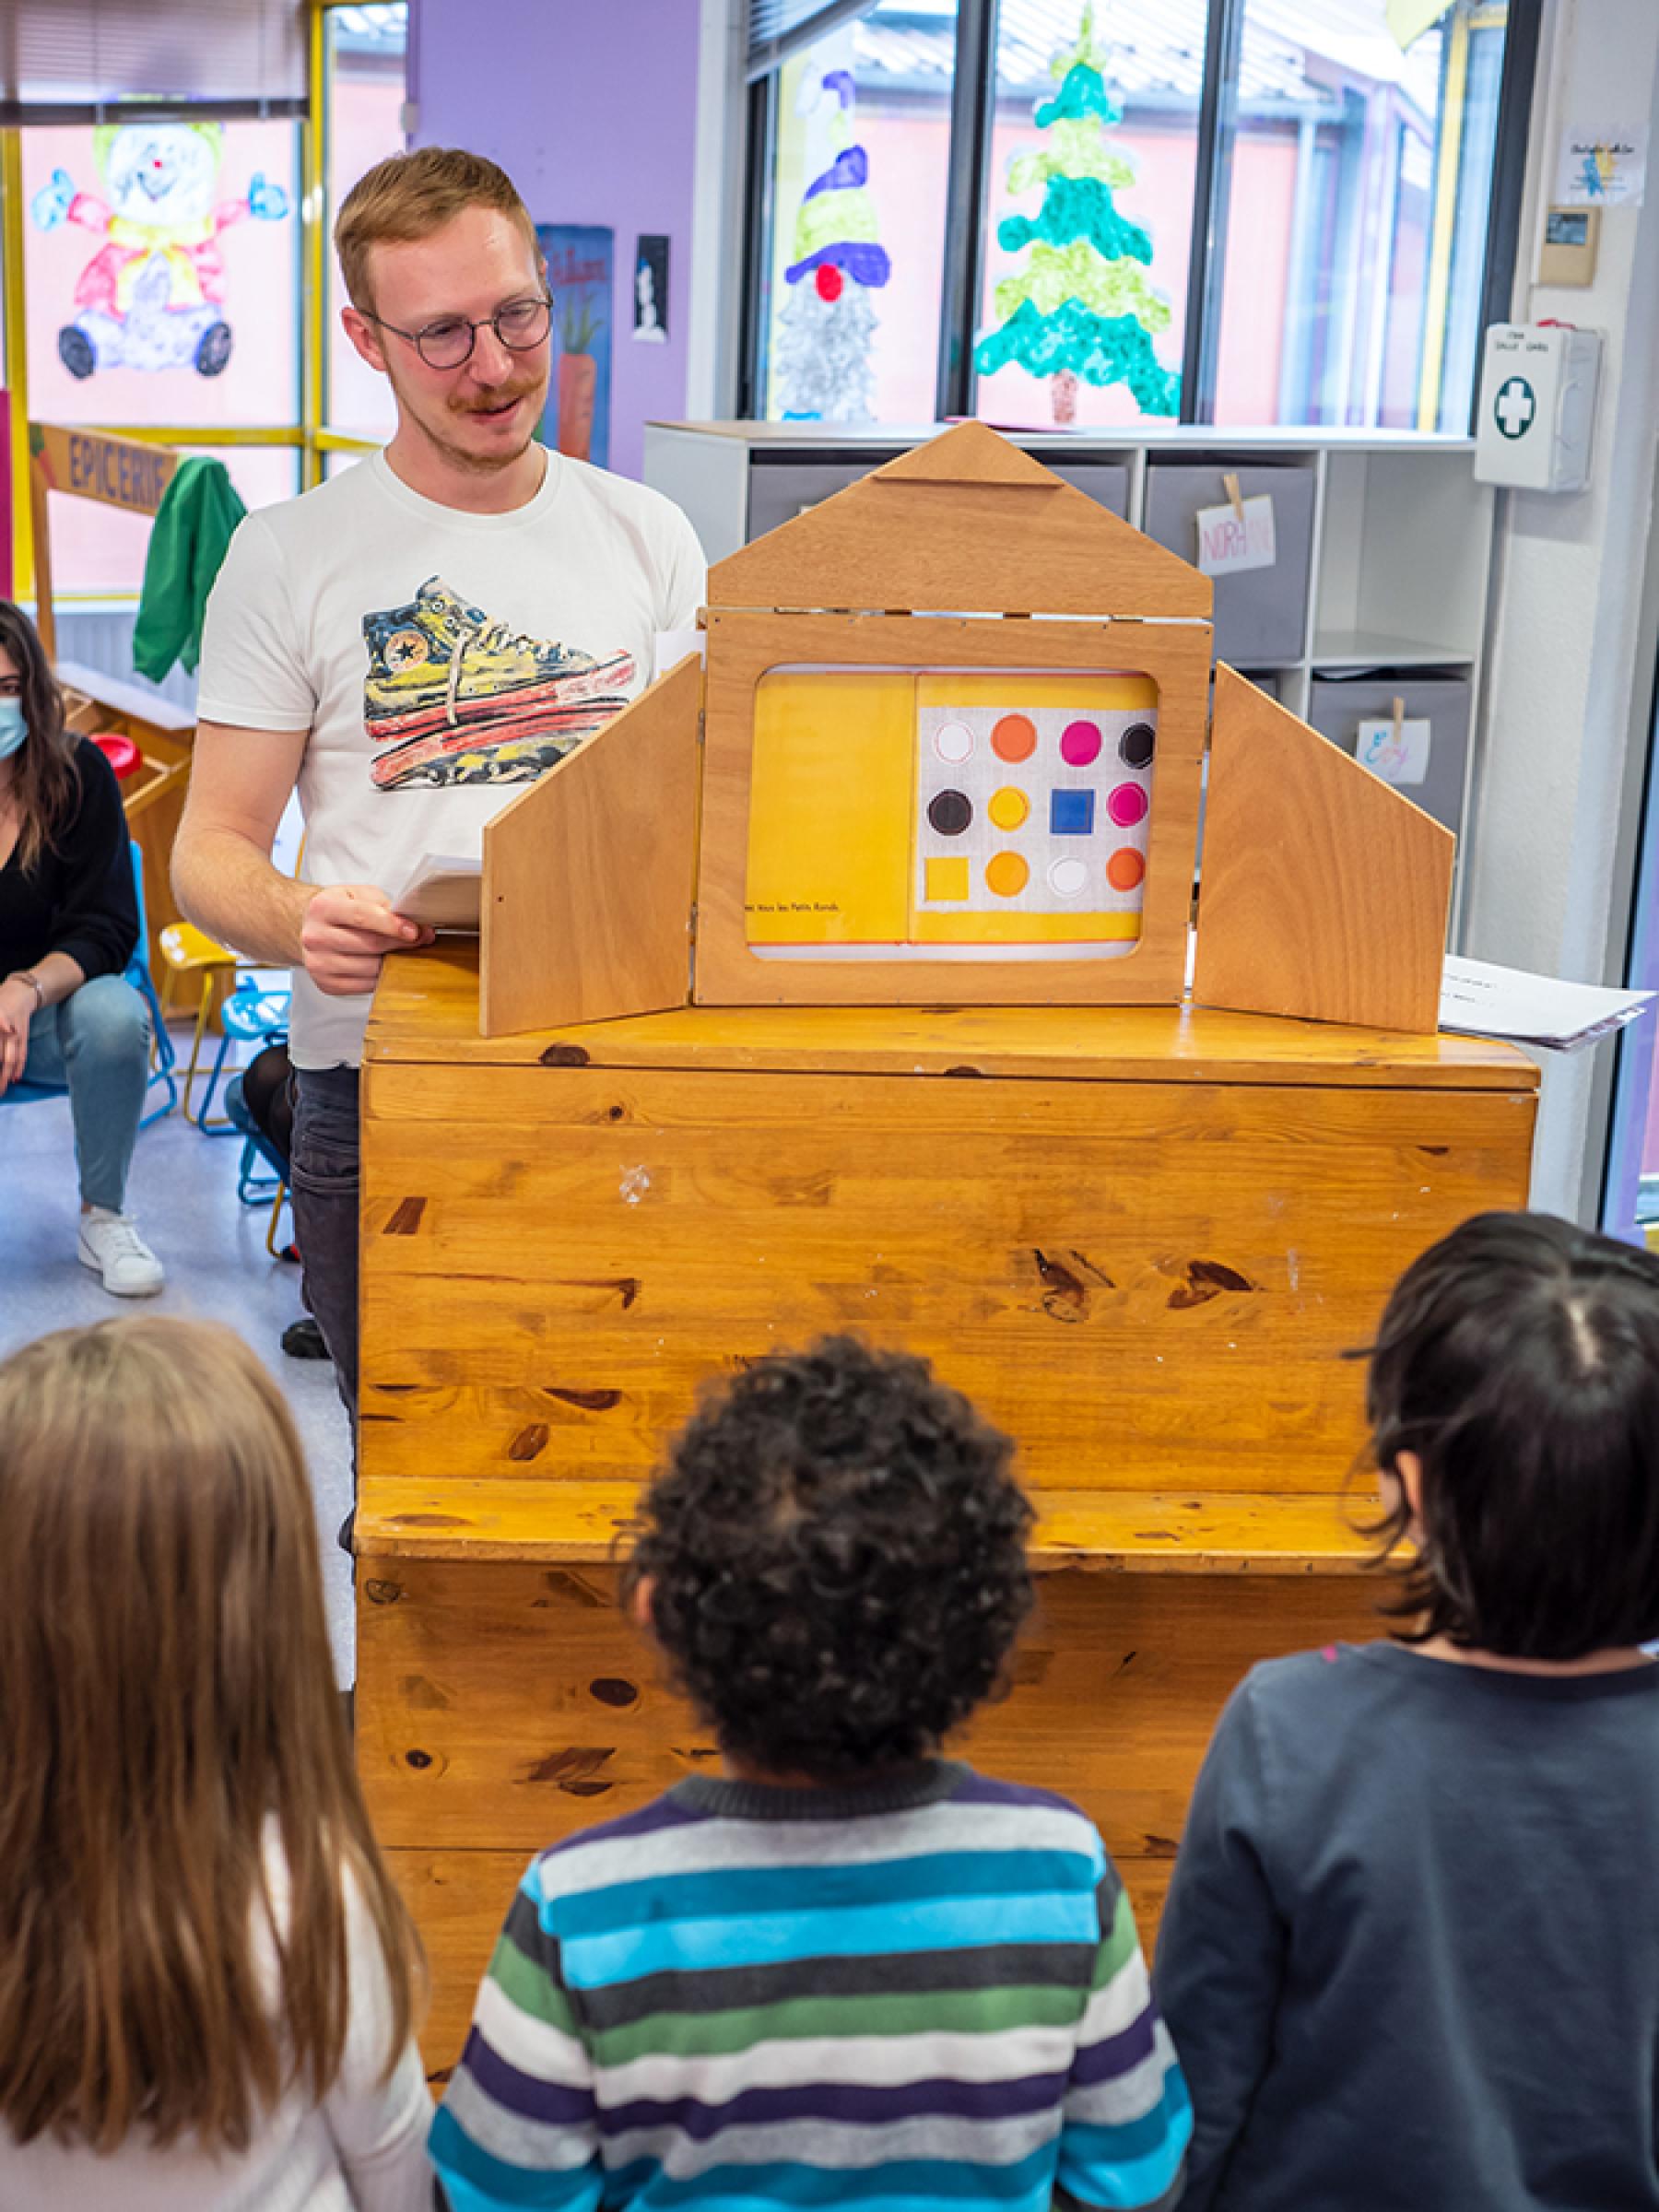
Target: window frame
{"x": 968, "y": 190}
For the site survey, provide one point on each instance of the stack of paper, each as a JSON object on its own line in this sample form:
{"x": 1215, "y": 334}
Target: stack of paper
{"x": 1482, "y": 1000}
{"x": 443, "y": 890}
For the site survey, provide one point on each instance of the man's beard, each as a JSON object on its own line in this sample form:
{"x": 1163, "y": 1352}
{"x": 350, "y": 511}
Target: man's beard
{"x": 463, "y": 457}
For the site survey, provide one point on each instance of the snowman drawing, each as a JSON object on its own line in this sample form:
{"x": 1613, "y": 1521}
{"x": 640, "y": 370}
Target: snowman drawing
{"x": 153, "y": 295}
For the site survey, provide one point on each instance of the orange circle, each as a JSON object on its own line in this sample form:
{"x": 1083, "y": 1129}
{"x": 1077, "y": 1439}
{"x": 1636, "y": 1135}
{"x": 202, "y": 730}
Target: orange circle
{"x": 1014, "y": 738}
{"x": 1009, "y": 808}
{"x": 1007, "y": 874}
{"x": 1125, "y": 868}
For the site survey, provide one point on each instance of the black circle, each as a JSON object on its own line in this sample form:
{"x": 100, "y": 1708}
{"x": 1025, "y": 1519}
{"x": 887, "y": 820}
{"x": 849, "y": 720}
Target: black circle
{"x": 950, "y": 812}
{"x": 74, "y": 350}
{"x": 1137, "y": 745}
{"x": 214, "y": 351}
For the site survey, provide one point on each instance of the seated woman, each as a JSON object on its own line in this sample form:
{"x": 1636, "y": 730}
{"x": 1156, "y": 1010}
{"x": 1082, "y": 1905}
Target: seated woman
{"x": 68, "y": 923}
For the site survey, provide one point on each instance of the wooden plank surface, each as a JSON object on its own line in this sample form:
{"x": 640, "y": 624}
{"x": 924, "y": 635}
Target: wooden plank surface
{"x": 582, "y": 1522}
{"x": 744, "y": 647}
{"x": 425, "y": 1013}
{"x": 588, "y": 874}
{"x": 501, "y": 1707}
{"x": 941, "y": 528}
{"x": 1325, "y": 892}
{"x": 1151, "y": 1287}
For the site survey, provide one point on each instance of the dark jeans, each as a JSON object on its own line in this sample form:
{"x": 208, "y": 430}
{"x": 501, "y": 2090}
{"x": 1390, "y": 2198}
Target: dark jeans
{"x": 325, "y": 1180}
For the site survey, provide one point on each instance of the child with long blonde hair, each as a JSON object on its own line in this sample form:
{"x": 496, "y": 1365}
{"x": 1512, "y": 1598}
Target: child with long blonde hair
{"x": 207, "y": 1981}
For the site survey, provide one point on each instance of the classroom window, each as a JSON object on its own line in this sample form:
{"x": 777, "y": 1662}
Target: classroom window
{"x": 854, "y": 218}
{"x": 1351, "y": 288}
{"x": 1251, "y": 212}
{"x": 365, "y": 49}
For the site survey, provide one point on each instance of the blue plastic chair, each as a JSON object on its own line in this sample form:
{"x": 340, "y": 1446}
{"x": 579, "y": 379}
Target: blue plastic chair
{"x": 163, "y": 1059}
{"x": 249, "y": 1016}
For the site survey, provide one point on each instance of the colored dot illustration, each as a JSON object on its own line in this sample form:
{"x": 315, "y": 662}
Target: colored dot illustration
{"x": 953, "y": 741}
{"x": 1066, "y": 877}
{"x": 1014, "y": 738}
{"x": 1071, "y": 813}
{"x": 1007, "y": 874}
{"x": 948, "y": 879}
{"x": 1137, "y": 745}
{"x": 1009, "y": 808}
{"x": 1125, "y": 868}
{"x": 1080, "y": 744}
{"x": 950, "y": 812}
{"x": 1127, "y": 805}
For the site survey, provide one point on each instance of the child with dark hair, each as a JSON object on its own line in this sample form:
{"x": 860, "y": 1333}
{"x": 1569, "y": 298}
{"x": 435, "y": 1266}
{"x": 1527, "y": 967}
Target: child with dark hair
{"x": 845, "y": 1971}
{"x": 1410, "y": 1954}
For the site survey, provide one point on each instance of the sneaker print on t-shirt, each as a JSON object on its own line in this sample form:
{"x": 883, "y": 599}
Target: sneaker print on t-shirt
{"x": 453, "y": 696}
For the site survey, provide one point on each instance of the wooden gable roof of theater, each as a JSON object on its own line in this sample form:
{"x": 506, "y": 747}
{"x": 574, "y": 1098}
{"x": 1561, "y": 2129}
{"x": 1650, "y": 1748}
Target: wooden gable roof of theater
{"x": 966, "y": 523}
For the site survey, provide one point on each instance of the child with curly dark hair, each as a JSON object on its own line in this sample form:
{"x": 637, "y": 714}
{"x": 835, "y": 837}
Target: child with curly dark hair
{"x": 1411, "y": 1953}
{"x": 847, "y": 1970}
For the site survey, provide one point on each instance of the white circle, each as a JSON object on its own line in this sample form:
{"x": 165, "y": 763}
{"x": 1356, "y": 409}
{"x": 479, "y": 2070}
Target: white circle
{"x": 953, "y": 741}
{"x": 1066, "y": 877}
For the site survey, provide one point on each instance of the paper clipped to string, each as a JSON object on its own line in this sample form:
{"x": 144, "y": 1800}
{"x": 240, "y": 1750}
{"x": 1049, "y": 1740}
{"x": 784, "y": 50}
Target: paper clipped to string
{"x": 1480, "y": 999}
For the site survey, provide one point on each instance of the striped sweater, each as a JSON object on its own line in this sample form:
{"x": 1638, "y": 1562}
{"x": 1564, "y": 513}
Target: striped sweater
{"x": 907, "y": 1996}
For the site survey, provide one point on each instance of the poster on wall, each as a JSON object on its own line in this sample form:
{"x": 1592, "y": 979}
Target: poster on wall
{"x": 577, "y": 420}
{"x": 651, "y": 289}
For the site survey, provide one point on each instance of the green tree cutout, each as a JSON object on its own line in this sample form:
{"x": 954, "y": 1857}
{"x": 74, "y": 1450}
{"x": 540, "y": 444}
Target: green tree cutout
{"x": 1082, "y": 306}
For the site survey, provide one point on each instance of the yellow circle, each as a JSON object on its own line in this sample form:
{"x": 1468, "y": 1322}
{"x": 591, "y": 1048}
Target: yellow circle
{"x": 1009, "y": 808}
{"x": 1007, "y": 874}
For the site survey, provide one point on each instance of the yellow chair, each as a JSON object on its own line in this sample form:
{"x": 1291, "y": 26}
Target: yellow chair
{"x": 187, "y": 951}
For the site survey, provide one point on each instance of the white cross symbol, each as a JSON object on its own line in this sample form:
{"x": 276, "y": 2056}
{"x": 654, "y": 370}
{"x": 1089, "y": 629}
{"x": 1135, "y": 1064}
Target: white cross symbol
{"x": 1515, "y": 406}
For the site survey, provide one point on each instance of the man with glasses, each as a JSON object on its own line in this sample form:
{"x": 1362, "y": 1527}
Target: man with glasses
{"x": 409, "y": 644}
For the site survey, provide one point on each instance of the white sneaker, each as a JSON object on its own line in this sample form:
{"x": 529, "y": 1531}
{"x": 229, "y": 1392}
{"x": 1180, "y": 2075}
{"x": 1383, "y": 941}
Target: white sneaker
{"x": 111, "y": 1246}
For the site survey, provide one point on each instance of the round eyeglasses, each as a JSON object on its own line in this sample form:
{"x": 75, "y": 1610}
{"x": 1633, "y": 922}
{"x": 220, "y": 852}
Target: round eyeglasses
{"x": 520, "y": 326}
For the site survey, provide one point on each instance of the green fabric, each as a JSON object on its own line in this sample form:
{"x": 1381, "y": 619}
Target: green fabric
{"x": 193, "y": 530}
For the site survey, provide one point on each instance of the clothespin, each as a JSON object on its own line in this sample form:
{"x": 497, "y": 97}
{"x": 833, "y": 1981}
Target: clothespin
{"x": 1399, "y": 716}
{"x": 1230, "y": 484}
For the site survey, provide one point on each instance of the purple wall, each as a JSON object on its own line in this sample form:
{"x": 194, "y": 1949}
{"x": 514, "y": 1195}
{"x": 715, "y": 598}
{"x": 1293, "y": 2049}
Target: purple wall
{"x": 591, "y": 107}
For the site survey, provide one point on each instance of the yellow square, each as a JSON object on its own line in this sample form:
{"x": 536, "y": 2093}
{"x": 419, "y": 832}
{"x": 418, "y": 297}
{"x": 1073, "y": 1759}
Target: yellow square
{"x": 947, "y": 878}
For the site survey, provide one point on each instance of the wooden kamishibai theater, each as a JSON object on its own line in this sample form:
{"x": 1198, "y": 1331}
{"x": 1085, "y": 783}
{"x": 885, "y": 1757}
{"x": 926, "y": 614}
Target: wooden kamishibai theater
{"x": 842, "y": 981}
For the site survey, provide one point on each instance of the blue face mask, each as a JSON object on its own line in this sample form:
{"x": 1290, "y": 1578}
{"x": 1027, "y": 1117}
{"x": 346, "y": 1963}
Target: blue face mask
{"x": 13, "y": 728}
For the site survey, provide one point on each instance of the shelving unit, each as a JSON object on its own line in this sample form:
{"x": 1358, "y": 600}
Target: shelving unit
{"x": 1400, "y": 557}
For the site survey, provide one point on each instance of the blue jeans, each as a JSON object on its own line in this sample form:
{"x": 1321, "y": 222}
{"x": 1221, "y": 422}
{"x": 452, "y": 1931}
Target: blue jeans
{"x": 96, "y": 1045}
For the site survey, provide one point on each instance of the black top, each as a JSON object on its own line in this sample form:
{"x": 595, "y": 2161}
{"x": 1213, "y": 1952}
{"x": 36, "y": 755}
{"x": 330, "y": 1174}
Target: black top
{"x": 1410, "y": 1958}
{"x": 78, "y": 898}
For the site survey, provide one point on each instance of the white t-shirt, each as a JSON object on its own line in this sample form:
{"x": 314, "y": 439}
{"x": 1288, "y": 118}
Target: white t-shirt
{"x": 362, "y": 2149}
{"x": 439, "y": 660}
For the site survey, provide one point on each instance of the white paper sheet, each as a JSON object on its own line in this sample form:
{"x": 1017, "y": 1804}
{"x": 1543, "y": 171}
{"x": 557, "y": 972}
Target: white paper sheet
{"x": 443, "y": 892}
{"x": 1480, "y": 999}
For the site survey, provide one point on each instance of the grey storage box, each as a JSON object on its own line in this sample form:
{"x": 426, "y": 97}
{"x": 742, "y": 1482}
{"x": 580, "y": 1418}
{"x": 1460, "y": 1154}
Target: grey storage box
{"x": 1339, "y": 704}
{"x": 1262, "y": 614}
{"x": 780, "y": 488}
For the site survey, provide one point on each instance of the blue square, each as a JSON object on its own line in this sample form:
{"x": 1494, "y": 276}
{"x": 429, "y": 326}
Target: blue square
{"x": 1071, "y": 813}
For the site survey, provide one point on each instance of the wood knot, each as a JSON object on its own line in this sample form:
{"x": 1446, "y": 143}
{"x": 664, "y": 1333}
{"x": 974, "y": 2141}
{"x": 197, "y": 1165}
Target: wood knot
{"x": 589, "y": 1401}
{"x": 566, "y": 1055}
{"x": 611, "y": 1690}
{"x": 966, "y": 1071}
{"x": 1205, "y": 1279}
{"x": 405, "y": 1218}
{"x": 383, "y": 1593}
{"x": 574, "y": 1769}
{"x": 419, "y": 1760}
{"x": 530, "y": 1442}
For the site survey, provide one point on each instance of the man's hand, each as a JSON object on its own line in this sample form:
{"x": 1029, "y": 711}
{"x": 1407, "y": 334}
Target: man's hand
{"x": 347, "y": 931}
{"x": 17, "y": 1004}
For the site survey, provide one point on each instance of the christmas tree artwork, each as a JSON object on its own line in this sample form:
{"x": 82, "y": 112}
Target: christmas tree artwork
{"x": 1082, "y": 306}
{"x": 822, "y": 358}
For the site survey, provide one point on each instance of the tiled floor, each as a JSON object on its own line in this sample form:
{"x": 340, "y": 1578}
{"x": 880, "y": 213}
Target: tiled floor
{"x": 184, "y": 1193}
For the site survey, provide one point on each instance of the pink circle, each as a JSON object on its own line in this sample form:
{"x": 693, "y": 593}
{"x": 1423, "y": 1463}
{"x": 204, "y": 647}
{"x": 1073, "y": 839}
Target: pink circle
{"x": 1127, "y": 805}
{"x": 1080, "y": 744}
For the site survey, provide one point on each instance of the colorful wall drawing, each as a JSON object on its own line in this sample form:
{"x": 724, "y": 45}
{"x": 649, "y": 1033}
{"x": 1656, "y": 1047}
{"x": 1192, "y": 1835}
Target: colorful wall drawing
{"x": 827, "y": 325}
{"x": 154, "y": 294}
{"x": 1082, "y": 306}
{"x": 579, "y": 258}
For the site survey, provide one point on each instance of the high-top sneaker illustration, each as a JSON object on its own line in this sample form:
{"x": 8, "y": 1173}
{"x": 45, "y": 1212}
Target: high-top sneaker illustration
{"x": 456, "y": 697}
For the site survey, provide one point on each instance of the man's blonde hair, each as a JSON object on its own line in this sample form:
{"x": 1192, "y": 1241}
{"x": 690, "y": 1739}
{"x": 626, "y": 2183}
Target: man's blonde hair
{"x": 408, "y": 197}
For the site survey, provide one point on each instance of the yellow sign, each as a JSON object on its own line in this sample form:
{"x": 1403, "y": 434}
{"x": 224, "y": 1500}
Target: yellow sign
{"x": 1409, "y": 19}
{"x": 114, "y": 471}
